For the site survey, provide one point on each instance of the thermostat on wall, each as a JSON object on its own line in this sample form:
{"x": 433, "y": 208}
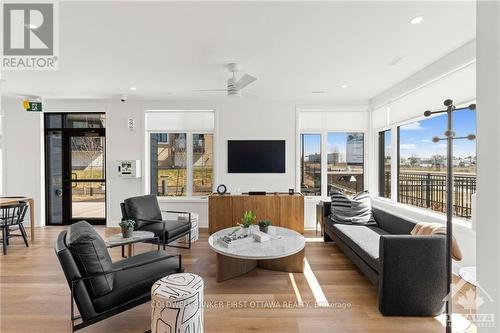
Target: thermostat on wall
{"x": 129, "y": 168}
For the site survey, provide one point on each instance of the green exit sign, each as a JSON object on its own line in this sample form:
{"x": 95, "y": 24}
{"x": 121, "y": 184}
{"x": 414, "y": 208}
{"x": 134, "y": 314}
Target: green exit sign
{"x": 33, "y": 106}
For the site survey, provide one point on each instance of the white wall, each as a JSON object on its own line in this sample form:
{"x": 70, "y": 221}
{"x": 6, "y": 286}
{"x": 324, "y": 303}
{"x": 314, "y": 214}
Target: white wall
{"x": 488, "y": 160}
{"x": 235, "y": 119}
{"x": 22, "y": 155}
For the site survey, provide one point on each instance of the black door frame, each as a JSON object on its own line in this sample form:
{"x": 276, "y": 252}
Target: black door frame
{"x": 67, "y": 181}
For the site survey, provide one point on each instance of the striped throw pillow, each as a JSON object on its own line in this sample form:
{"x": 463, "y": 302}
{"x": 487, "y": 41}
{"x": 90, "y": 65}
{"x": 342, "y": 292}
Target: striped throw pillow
{"x": 356, "y": 210}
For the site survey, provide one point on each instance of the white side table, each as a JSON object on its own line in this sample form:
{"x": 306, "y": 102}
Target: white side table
{"x": 194, "y": 227}
{"x": 177, "y": 304}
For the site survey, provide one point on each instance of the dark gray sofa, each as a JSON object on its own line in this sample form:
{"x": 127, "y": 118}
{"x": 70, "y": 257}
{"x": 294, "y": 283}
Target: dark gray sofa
{"x": 409, "y": 271}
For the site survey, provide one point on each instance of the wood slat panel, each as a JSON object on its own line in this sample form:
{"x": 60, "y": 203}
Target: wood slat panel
{"x": 281, "y": 209}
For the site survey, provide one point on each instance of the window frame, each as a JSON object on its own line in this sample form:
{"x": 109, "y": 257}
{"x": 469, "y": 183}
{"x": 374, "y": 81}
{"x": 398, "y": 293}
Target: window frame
{"x": 395, "y": 167}
{"x": 189, "y": 164}
{"x": 381, "y": 152}
{"x": 324, "y": 159}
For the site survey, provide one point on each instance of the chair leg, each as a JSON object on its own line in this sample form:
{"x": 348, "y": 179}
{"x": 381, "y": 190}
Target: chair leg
{"x": 7, "y": 233}
{"x": 23, "y": 233}
{"x": 4, "y": 241}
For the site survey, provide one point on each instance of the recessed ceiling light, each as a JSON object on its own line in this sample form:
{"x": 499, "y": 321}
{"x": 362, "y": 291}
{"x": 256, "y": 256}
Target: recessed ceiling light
{"x": 416, "y": 20}
{"x": 318, "y": 92}
{"x": 133, "y": 88}
{"x": 344, "y": 86}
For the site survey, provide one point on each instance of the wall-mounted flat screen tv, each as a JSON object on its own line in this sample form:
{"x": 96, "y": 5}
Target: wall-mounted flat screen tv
{"x": 256, "y": 156}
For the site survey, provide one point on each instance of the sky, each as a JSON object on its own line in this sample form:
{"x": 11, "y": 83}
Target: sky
{"x": 416, "y": 138}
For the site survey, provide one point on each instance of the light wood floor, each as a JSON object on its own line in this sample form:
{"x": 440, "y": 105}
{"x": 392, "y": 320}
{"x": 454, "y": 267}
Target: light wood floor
{"x": 35, "y": 296}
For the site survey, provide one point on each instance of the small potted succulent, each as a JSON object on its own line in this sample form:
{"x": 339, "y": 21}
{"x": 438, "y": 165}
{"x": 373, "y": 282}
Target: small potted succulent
{"x": 264, "y": 225}
{"x": 246, "y": 221}
{"x": 127, "y": 227}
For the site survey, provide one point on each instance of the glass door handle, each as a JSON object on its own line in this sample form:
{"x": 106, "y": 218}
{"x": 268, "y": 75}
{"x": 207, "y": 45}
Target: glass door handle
{"x": 74, "y": 176}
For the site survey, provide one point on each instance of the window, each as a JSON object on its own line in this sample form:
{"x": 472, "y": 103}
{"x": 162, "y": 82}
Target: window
{"x": 422, "y": 163}
{"x": 384, "y": 178}
{"x": 181, "y": 152}
{"x": 168, "y": 164}
{"x": 345, "y": 162}
{"x": 310, "y": 164}
{"x": 170, "y": 172}
{"x": 202, "y": 164}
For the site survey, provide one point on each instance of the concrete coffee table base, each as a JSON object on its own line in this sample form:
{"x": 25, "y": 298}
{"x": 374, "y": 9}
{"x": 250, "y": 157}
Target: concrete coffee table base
{"x": 229, "y": 267}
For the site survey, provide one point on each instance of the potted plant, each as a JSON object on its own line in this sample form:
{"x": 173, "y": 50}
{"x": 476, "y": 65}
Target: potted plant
{"x": 247, "y": 221}
{"x": 264, "y": 225}
{"x": 127, "y": 227}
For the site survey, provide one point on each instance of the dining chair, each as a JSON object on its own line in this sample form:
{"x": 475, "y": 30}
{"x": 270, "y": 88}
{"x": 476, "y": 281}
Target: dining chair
{"x": 12, "y": 217}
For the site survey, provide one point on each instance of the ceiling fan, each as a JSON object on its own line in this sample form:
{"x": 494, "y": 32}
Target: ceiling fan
{"x": 234, "y": 86}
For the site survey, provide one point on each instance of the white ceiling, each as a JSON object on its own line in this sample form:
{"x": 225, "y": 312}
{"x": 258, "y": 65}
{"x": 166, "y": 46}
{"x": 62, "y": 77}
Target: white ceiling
{"x": 167, "y": 49}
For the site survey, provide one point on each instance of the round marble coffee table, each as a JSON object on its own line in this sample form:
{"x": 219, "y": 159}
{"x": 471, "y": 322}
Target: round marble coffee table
{"x": 283, "y": 252}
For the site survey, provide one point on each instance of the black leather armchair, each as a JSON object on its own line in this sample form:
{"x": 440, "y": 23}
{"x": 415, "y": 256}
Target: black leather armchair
{"x": 101, "y": 288}
{"x": 146, "y": 213}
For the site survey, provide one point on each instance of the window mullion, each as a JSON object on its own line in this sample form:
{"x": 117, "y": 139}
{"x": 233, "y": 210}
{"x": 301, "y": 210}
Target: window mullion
{"x": 324, "y": 164}
{"x": 189, "y": 162}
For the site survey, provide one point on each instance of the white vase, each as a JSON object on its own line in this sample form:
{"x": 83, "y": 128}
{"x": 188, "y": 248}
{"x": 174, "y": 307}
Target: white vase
{"x": 245, "y": 231}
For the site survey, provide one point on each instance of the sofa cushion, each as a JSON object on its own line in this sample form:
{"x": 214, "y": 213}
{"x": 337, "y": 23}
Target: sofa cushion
{"x": 173, "y": 228}
{"x": 356, "y": 210}
{"x": 91, "y": 256}
{"x": 144, "y": 207}
{"x": 391, "y": 223}
{"x": 363, "y": 240}
{"x": 136, "y": 282}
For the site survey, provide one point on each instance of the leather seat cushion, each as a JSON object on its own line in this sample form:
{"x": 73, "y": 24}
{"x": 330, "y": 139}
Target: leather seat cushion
{"x": 91, "y": 256}
{"x": 173, "y": 228}
{"x": 144, "y": 207}
{"x": 136, "y": 282}
{"x": 363, "y": 240}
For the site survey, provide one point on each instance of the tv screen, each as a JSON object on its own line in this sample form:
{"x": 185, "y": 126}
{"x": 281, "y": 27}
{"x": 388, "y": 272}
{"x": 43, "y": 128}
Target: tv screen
{"x": 256, "y": 156}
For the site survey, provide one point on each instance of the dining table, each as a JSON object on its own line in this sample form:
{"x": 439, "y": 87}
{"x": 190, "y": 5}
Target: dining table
{"x": 11, "y": 200}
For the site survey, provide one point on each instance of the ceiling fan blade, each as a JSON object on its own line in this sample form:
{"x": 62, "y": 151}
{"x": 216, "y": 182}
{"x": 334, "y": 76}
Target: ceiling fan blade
{"x": 209, "y": 90}
{"x": 245, "y": 81}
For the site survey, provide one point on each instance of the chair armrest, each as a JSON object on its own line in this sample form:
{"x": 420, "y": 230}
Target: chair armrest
{"x": 412, "y": 275}
{"x": 124, "y": 268}
{"x": 326, "y": 208}
{"x": 175, "y": 211}
{"x": 151, "y": 221}
{"x": 178, "y": 212}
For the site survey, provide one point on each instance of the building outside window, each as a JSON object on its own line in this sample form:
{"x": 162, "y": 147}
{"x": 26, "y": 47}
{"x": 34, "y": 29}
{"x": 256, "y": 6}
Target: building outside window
{"x": 346, "y": 162}
{"x": 422, "y": 163}
{"x": 203, "y": 166}
{"x": 310, "y": 164}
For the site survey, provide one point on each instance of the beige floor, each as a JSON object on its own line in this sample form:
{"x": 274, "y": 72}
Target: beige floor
{"x": 35, "y": 296}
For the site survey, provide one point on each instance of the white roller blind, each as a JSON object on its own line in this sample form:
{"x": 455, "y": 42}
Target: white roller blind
{"x": 459, "y": 86}
{"x": 333, "y": 120}
{"x": 180, "y": 120}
